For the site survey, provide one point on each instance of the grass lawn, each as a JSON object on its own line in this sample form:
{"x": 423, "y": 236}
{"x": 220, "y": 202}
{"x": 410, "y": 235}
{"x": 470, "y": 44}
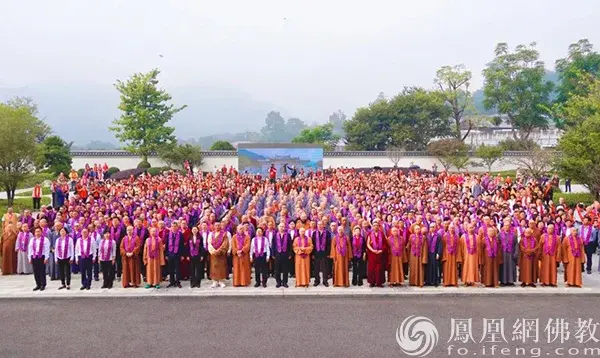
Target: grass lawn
{"x": 35, "y": 178}
{"x": 45, "y": 191}
{"x": 573, "y": 199}
{"x": 20, "y": 204}
{"x": 505, "y": 173}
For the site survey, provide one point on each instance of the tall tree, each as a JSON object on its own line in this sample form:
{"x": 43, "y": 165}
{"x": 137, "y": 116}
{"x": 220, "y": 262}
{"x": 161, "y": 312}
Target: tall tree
{"x": 337, "y": 120}
{"x": 454, "y": 82}
{"x": 274, "y": 128}
{"x": 293, "y": 128}
{"x": 55, "y": 154}
{"x": 322, "y": 134}
{"x": 408, "y": 120}
{"x": 19, "y": 134}
{"x": 28, "y": 104}
{"x": 515, "y": 85}
{"x": 581, "y": 105}
{"x": 146, "y": 111}
{"x": 581, "y": 60}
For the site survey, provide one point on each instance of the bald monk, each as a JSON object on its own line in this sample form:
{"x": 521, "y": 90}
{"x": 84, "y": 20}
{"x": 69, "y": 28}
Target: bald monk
{"x": 154, "y": 258}
{"x": 528, "y": 259}
{"x": 130, "y": 259}
{"x": 550, "y": 251}
{"x": 417, "y": 256}
{"x": 9, "y": 218}
{"x": 491, "y": 258}
{"x": 303, "y": 247}
{"x": 470, "y": 256}
{"x": 240, "y": 250}
{"x": 376, "y": 248}
{"x": 7, "y": 250}
{"x": 450, "y": 243}
{"x": 573, "y": 256}
{"x": 510, "y": 254}
{"x": 397, "y": 245}
{"x": 340, "y": 253}
{"x": 218, "y": 247}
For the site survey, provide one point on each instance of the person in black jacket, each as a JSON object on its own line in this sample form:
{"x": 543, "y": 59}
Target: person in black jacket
{"x": 281, "y": 247}
{"x": 359, "y": 246}
{"x": 196, "y": 254}
{"x": 322, "y": 246}
{"x": 175, "y": 250}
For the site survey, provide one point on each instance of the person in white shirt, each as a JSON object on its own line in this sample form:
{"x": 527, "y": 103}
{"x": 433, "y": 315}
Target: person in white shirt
{"x": 107, "y": 252}
{"x": 38, "y": 252}
{"x": 260, "y": 253}
{"x": 85, "y": 254}
{"x": 63, "y": 256}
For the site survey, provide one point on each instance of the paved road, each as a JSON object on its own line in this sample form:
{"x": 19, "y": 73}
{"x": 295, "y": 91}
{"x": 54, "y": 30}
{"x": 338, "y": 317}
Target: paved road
{"x": 272, "y": 327}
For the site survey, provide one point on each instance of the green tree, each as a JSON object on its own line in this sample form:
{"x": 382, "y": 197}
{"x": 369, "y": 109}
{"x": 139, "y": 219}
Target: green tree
{"x": 322, "y": 134}
{"x": 489, "y": 155}
{"x": 19, "y": 134}
{"x": 222, "y": 145}
{"x": 518, "y": 145}
{"x": 293, "y": 128}
{"x": 274, "y": 128}
{"x": 178, "y": 154}
{"x": 454, "y": 83}
{"x": 30, "y": 106}
{"x": 409, "y": 120}
{"x": 515, "y": 85}
{"x": 450, "y": 152}
{"x": 146, "y": 111}
{"x": 337, "y": 120}
{"x": 581, "y": 105}
{"x": 55, "y": 154}
{"x": 581, "y": 60}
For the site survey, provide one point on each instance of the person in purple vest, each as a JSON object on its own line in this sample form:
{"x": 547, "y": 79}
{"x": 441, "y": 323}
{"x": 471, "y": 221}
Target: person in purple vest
{"x": 38, "y": 252}
{"x": 107, "y": 252}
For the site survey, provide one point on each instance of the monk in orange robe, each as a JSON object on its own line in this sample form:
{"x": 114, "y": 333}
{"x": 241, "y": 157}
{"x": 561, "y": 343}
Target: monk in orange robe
{"x": 303, "y": 246}
{"x": 573, "y": 256}
{"x": 491, "y": 258}
{"x": 417, "y": 256}
{"x": 470, "y": 256}
{"x": 7, "y": 250}
{"x": 218, "y": 246}
{"x": 550, "y": 255}
{"x": 340, "y": 253}
{"x": 398, "y": 257}
{"x": 240, "y": 249}
{"x": 154, "y": 258}
{"x": 450, "y": 245}
{"x": 130, "y": 259}
{"x": 528, "y": 259}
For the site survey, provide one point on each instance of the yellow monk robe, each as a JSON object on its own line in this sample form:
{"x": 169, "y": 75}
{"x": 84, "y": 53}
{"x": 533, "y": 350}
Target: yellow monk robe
{"x": 397, "y": 258}
{"x": 8, "y": 219}
{"x": 573, "y": 257}
{"x": 450, "y": 248}
{"x": 528, "y": 260}
{"x": 551, "y": 253}
{"x": 417, "y": 257}
{"x": 340, "y": 253}
{"x": 131, "y": 264}
{"x": 241, "y": 264}
{"x": 302, "y": 252}
{"x": 469, "y": 256}
{"x": 218, "y": 260}
{"x": 153, "y": 264}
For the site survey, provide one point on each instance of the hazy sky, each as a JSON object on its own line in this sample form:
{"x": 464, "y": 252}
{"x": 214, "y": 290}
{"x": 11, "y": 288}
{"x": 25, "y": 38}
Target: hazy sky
{"x": 309, "y": 57}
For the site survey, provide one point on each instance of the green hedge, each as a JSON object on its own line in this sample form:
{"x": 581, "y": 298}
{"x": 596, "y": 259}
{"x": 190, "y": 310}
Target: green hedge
{"x": 573, "y": 199}
{"x": 112, "y": 170}
{"x": 154, "y": 171}
{"x": 144, "y": 165}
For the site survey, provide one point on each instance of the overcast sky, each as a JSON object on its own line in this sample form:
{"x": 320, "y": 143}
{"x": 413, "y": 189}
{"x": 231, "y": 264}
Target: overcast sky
{"x": 309, "y": 57}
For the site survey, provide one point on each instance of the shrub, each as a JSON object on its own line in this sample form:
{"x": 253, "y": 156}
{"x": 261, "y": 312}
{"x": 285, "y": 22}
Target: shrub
{"x": 80, "y": 172}
{"x": 144, "y": 165}
{"x": 518, "y": 145}
{"x": 111, "y": 171}
{"x": 154, "y": 171}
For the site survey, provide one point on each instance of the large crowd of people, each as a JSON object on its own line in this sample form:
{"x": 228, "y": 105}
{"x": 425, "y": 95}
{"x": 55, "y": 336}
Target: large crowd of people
{"x": 342, "y": 226}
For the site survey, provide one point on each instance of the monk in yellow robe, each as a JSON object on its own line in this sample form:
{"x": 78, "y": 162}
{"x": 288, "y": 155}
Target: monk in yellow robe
{"x": 130, "y": 259}
{"x": 550, "y": 255}
{"x": 154, "y": 258}
{"x": 7, "y": 250}
{"x": 470, "y": 256}
{"x": 9, "y": 218}
{"x": 340, "y": 253}
{"x": 528, "y": 259}
{"x": 218, "y": 247}
{"x": 573, "y": 255}
{"x": 417, "y": 256}
{"x": 240, "y": 250}
{"x": 303, "y": 246}
{"x": 398, "y": 257}
{"x": 450, "y": 244}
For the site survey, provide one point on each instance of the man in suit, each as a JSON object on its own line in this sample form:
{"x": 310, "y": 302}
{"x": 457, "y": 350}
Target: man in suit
{"x": 322, "y": 243}
{"x": 282, "y": 251}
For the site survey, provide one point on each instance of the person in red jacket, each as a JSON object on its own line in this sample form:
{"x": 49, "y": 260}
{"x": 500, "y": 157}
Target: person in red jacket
{"x": 36, "y": 195}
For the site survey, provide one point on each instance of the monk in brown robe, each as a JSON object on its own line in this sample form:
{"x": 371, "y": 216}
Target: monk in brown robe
{"x": 528, "y": 259}
{"x": 240, "y": 249}
{"x": 398, "y": 256}
{"x": 340, "y": 253}
{"x": 303, "y": 246}
{"x": 470, "y": 256}
{"x": 573, "y": 256}
{"x": 218, "y": 246}
{"x": 7, "y": 250}
{"x": 9, "y": 218}
{"x": 450, "y": 245}
{"x": 491, "y": 258}
{"x": 550, "y": 255}
{"x": 154, "y": 258}
{"x": 417, "y": 256}
{"x": 130, "y": 259}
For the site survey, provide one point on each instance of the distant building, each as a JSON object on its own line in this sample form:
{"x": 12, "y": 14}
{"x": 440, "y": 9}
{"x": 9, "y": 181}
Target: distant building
{"x": 492, "y": 136}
